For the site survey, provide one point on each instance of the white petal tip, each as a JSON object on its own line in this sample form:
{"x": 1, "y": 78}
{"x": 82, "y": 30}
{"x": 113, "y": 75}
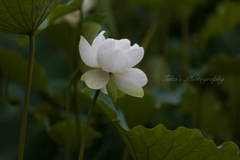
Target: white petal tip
{"x": 104, "y": 90}
{"x": 102, "y": 32}
{"x": 139, "y": 95}
{"x": 83, "y": 77}
{"x": 81, "y": 37}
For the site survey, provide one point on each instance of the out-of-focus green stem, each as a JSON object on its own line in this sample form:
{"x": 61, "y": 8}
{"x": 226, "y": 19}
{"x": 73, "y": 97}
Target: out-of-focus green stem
{"x": 84, "y": 138}
{"x": 186, "y": 42}
{"x": 27, "y": 97}
{"x": 76, "y": 111}
{"x": 68, "y": 95}
{"x": 150, "y": 34}
{"x": 72, "y": 96}
{"x": 76, "y": 65}
{"x": 111, "y": 19}
{"x": 235, "y": 110}
{"x": 6, "y": 89}
{"x": 1, "y": 85}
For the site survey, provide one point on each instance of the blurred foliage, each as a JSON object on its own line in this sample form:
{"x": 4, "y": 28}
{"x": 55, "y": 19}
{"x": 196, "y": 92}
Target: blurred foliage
{"x": 12, "y": 63}
{"x": 191, "y": 60}
{"x": 59, "y": 130}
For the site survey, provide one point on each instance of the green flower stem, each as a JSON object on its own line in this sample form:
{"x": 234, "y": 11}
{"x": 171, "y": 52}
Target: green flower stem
{"x": 74, "y": 99}
{"x": 27, "y": 97}
{"x": 78, "y": 32}
{"x": 234, "y": 85}
{"x": 1, "y": 85}
{"x": 68, "y": 95}
{"x": 111, "y": 19}
{"x": 150, "y": 34}
{"x": 186, "y": 42}
{"x": 76, "y": 111}
{"x": 84, "y": 138}
{"x": 74, "y": 61}
{"x": 6, "y": 89}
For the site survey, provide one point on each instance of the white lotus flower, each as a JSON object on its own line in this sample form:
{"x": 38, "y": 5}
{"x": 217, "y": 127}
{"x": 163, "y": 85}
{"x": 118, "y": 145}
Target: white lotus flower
{"x": 113, "y": 60}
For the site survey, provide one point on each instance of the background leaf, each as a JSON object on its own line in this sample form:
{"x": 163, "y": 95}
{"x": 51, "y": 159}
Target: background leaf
{"x": 62, "y": 10}
{"x": 14, "y": 67}
{"x": 223, "y": 64}
{"x": 90, "y": 30}
{"x": 59, "y": 130}
{"x": 10, "y": 117}
{"x": 224, "y": 20}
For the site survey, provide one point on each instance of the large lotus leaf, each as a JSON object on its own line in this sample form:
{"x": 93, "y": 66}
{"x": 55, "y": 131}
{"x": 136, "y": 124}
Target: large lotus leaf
{"x": 160, "y": 143}
{"x": 14, "y": 67}
{"x": 224, "y": 20}
{"x": 61, "y": 10}
{"x": 24, "y": 16}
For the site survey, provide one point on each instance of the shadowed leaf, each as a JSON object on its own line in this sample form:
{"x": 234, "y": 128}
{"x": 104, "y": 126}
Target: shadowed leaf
{"x": 24, "y": 16}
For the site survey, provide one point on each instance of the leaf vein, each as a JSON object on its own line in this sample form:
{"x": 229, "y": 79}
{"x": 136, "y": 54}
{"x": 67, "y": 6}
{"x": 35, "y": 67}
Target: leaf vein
{"x": 18, "y": 29}
{"x": 191, "y": 150}
{"x": 39, "y": 22}
{"x": 19, "y": 4}
{"x": 12, "y": 15}
{"x": 129, "y": 142}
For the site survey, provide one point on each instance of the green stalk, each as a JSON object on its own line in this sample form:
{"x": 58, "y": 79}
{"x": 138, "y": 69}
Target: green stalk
{"x": 235, "y": 107}
{"x": 74, "y": 61}
{"x": 150, "y": 33}
{"x": 1, "y": 85}
{"x": 76, "y": 111}
{"x": 79, "y": 31}
{"x": 27, "y": 97}
{"x": 74, "y": 103}
{"x": 84, "y": 138}
{"x": 72, "y": 78}
{"x": 7, "y": 89}
{"x": 186, "y": 43}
